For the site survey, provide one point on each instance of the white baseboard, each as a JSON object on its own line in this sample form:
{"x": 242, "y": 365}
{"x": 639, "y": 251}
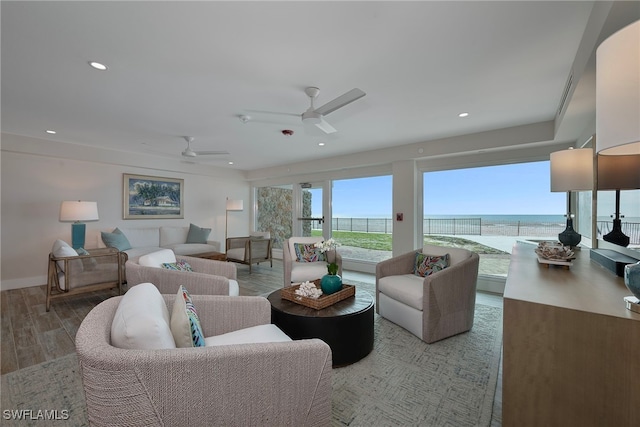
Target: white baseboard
{"x": 360, "y": 266}
{"x": 493, "y": 284}
{"x": 25, "y": 282}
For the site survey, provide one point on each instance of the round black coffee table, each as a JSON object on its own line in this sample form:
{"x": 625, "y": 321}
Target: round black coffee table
{"x": 347, "y": 326}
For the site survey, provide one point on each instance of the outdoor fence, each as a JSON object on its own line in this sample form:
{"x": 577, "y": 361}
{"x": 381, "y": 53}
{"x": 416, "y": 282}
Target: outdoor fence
{"x": 474, "y": 226}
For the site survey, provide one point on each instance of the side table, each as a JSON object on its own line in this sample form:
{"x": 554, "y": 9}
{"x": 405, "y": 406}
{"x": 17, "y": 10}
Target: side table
{"x": 347, "y": 326}
{"x": 216, "y": 256}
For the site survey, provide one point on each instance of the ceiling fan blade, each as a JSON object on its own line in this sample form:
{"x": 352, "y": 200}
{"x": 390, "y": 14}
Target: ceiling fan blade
{"x": 341, "y": 101}
{"x": 210, "y": 153}
{"x": 326, "y": 127}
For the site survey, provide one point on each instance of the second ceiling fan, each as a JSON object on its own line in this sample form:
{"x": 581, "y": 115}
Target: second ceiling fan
{"x": 188, "y": 152}
{"x": 316, "y": 115}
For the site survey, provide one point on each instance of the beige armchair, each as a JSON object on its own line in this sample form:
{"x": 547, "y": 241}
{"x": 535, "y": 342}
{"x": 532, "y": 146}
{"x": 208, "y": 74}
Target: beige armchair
{"x": 224, "y": 385}
{"x": 254, "y": 249}
{"x": 75, "y": 274}
{"x": 296, "y": 271}
{"x": 207, "y": 278}
{"x": 434, "y": 307}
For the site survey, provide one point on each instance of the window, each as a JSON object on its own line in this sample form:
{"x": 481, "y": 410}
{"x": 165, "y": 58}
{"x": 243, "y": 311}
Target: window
{"x": 487, "y": 209}
{"x": 361, "y": 220}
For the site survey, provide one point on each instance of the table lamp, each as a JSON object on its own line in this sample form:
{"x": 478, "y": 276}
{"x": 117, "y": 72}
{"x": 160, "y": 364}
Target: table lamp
{"x": 618, "y": 118}
{"x": 571, "y": 170}
{"x": 77, "y": 211}
{"x": 232, "y": 206}
{"x": 618, "y": 173}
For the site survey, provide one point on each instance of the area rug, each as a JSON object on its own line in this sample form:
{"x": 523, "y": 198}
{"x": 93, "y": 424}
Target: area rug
{"x": 403, "y": 381}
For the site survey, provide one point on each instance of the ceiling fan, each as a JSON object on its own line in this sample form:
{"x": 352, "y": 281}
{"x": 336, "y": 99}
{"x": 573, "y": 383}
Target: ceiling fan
{"x": 188, "y": 152}
{"x": 316, "y": 115}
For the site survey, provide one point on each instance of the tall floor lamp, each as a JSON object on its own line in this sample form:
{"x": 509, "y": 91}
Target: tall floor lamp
{"x": 77, "y": 211}
{"x": 571, "y": 170}
{"x": 232, "y": 206}
{"x": 617, "y": 118}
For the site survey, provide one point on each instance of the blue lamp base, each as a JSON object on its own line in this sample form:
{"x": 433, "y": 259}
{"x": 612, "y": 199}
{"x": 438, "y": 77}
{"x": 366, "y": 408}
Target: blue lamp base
{"x": 77, "y": 235}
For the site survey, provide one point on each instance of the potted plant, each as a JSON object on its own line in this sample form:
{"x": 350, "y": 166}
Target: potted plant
{"x": 331, "y": 282}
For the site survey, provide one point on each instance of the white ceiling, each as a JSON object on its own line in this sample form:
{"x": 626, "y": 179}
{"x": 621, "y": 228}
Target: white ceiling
{"x": 191, "y": 68}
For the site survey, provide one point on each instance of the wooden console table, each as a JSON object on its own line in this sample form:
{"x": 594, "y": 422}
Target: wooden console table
{"x": 571, "y": 348}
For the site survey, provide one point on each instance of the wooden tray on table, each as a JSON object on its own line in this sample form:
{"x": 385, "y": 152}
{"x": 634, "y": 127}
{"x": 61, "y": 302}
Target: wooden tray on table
{"x": 289, "y": 293}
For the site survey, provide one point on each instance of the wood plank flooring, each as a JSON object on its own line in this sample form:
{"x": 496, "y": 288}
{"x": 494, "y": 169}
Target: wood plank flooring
{"x": 30, "y": 335}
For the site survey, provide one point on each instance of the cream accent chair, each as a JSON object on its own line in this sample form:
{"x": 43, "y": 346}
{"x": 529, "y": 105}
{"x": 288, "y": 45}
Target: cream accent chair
{"x": 254, "y": 249}
{"x": 296, "y": 271}
{"x": 222, "y": 385}
{"x": 433, "y": 307}
{"x": 208, "y": 277}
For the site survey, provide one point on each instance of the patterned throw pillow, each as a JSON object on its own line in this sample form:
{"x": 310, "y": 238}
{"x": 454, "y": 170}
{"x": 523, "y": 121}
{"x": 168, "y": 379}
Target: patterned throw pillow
{"x": 429, "y": 264}
{"x": 179, "y": 265}
{"x": 185, "y": 323}
{"x": 307, "y": 252}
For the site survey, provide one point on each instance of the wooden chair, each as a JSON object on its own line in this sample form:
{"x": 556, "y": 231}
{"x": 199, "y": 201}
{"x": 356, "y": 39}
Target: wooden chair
{"x": 71, "y": 275}
{"x": 253, "y": 249}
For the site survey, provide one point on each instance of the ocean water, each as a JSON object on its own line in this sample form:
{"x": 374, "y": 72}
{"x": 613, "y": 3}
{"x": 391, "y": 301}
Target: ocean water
{"x": 535, "y": 219}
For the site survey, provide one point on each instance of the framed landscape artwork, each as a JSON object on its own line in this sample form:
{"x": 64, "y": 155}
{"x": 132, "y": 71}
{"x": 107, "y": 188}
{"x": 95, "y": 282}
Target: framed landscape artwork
{"x": 152, "y": 197}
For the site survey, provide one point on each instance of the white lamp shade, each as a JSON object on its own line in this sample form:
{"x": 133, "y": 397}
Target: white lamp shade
{"x": 572, "y": 170}
{"x": 618, "y": 93}
{"x": 618, "y": 172}
{"x": 234, "y": 205}
{"x": 72, "y": 211}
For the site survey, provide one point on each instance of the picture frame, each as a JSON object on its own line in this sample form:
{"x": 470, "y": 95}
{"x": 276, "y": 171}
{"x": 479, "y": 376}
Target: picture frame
{"x": 152, "y": 197}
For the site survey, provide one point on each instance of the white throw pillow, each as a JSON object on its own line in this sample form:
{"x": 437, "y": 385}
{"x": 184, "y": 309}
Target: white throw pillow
{"x": 156, "y": 259}
{"x": 142, "y": 320}
{"x": 62, "y": 249}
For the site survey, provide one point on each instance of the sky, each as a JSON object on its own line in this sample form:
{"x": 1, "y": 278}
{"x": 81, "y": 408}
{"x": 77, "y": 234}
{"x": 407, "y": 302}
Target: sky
{"x": 520, "y": 189}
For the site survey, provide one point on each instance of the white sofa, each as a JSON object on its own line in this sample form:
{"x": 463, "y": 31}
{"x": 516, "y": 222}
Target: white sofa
{"x": 145, "y": 240}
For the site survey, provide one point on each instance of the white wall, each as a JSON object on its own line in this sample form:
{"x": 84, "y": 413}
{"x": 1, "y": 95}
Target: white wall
{"x": 33, "y": 185}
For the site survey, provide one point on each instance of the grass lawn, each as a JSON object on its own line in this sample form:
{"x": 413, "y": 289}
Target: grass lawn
{"x": 382, "y": 242}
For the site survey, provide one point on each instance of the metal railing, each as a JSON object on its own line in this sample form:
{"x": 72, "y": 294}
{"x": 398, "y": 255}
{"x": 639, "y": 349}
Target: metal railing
{"x": 631, "y": 229}
{"x": 473, "y": 226}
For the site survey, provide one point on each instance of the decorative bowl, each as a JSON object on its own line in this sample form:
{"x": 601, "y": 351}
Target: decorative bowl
{"x": 554, "y": 251}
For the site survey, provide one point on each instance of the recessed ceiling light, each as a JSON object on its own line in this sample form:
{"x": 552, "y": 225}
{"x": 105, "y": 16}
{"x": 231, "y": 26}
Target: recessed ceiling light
{"x": 321, "y": 144}
{"x": 98, "y": 66}
{"x": 463, "y": 114}
{"x": 230, "y": 163}
{"x": 51, "y": 132}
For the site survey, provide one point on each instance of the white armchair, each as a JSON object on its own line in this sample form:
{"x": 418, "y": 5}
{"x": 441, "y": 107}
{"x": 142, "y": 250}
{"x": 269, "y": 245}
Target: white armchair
{"x": 207, "y": 278}
{"x": 250, "y": 384}
{"x": 434, "y": 307}
{"x": 296, "y": 270}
